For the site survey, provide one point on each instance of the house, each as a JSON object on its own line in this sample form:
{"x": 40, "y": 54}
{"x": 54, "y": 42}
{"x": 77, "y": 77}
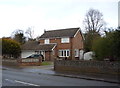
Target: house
{"x": 61, "y": 43}
{"x": 34, "y": 47}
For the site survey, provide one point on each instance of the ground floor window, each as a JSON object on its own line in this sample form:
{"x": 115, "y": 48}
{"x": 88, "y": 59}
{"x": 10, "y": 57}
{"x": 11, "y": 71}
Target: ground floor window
{"x": 64, "y": 53}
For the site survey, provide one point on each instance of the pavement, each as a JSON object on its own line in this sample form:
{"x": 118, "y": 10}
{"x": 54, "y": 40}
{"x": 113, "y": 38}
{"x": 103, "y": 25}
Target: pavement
{"x": 49, "y": 70}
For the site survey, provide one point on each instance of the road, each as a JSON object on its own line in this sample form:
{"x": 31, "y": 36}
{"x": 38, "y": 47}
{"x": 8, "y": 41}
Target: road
{"x": 19, "y": 78}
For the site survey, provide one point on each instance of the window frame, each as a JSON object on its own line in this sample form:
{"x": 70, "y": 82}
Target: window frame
{"x": 47, "y": 41}
{"x": 65, "y": 40}
{"x": 64, "y": 53}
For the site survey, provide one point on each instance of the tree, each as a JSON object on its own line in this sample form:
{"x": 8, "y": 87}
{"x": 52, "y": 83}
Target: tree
{"x": 100, "y": 47}
{"x": 114, "y": 37}
{"x": 10, "y": 48}
{"x": 94, "y": 21}
{"x": 108, "y": 46}
{"x": 89, "y": 38}
{"x": 93, "y": 24}
{"x": 18, "y": 36}
{"x": 30, "y": 33}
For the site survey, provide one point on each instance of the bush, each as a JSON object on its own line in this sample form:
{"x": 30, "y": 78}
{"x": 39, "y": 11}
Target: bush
{"x": 100, "y": 47}
{"x": 107, "y": 46}
{"x": 10, "y": 48}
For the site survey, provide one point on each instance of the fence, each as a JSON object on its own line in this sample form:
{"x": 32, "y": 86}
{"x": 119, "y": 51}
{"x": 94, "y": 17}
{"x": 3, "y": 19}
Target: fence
{"x": 77, "y": 66}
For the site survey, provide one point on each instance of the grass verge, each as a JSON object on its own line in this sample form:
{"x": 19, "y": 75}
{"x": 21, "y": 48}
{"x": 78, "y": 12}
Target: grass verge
{"x": 47, "y": 63}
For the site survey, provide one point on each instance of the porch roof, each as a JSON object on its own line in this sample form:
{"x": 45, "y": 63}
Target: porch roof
{"x": 34, "y": 45}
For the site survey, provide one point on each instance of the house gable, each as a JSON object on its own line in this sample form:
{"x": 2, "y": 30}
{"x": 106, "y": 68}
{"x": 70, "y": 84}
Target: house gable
{"x": 77, "y": 45}
{"x": 77, "y": 41}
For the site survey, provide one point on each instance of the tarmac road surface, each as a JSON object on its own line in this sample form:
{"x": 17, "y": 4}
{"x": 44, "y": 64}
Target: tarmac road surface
{"x": 19, "y": 78}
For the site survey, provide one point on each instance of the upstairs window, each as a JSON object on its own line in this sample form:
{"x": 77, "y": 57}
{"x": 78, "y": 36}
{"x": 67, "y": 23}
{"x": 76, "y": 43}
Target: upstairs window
{"x": 65, "y": 40}
{"x": 46, "y": 41}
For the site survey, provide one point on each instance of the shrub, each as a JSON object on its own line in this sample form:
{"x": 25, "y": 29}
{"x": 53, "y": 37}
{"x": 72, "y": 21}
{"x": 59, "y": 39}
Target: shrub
{"x": 10, "y": 48}
{"x": 107, "y": 46}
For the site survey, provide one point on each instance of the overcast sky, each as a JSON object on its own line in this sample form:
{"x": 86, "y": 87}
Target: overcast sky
{"x": 52, "y": 14}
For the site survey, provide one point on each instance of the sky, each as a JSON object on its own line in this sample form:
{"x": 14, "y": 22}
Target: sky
{"x": 43, "y": 15}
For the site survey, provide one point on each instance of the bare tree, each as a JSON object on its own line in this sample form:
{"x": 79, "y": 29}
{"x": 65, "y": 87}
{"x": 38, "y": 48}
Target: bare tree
{"x": 93, "y": 21}
{"x": 30, "y": 33}
{"x": 93, "y": 24}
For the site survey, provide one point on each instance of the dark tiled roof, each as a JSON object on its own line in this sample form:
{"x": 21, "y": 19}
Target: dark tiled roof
{"x": 69, "y": 32}
{"x": 34, "y": 45}
{"x": 46, "y": 47}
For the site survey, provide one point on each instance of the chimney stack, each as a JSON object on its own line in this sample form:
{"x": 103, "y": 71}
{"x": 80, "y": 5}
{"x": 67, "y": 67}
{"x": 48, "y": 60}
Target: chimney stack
{"x": 44, "y": 30}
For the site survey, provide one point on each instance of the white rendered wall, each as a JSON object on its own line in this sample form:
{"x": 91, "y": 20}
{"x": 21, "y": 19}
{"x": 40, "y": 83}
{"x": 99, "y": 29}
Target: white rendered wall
{"x": 25, "y": 54}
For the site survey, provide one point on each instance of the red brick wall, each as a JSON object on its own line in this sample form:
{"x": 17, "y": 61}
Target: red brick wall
{"x": 77, "y": 43}
{"x": 42, "y": 41}
{"x": 47, "y": 56}
{"x": 59, "y": 45}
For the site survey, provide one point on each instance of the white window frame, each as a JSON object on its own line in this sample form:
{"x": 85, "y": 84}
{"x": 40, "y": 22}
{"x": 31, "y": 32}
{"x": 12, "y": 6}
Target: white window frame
{"x": 53, "y": 52}
{"x": 47, "y": 41}
{"x": 65, "y": 40}
{"x": 76, "y": 52}
{"x": 64, "y": 53}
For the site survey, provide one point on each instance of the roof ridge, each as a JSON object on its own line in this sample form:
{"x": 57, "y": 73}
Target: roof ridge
{"x": 58, "y": 33}
{"x": 63, "y": 29}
